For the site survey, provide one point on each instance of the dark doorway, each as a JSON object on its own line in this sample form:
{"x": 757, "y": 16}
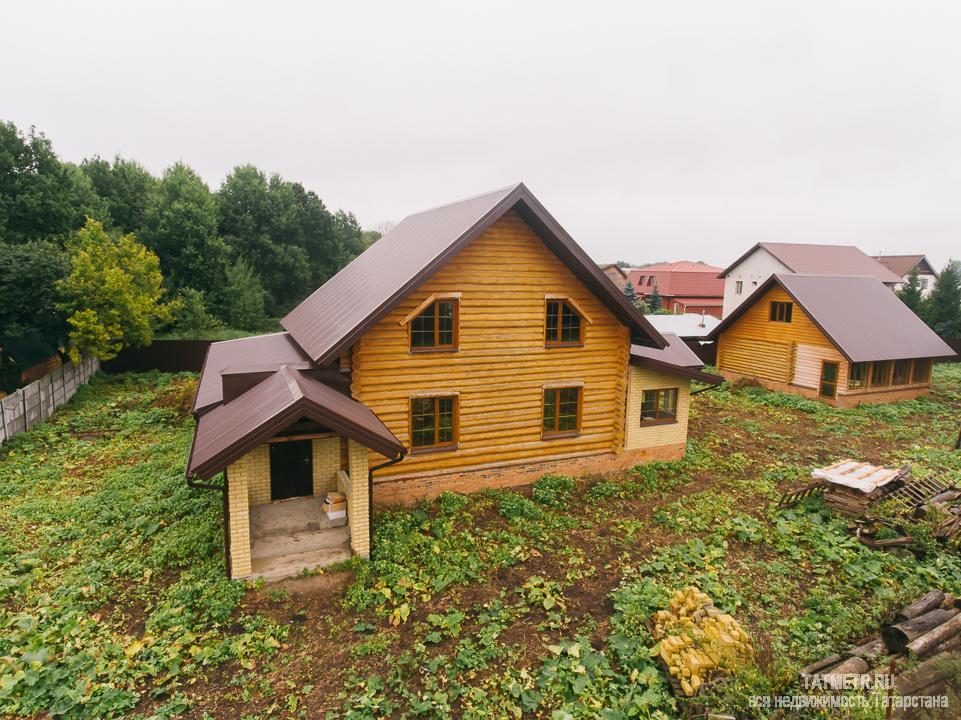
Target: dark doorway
{"x": 291, "y": 469}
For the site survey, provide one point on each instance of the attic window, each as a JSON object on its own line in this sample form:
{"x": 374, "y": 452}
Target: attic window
{"x": 432, "y": 326}
{"x": 563, "y": 325}
{"x": 781, "y": 311}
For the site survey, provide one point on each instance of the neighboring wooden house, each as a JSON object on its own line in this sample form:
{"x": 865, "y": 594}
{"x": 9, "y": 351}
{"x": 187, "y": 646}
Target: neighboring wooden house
{"x": 902, "y": 265}
{"x": 684, "y": 286}
{"x": 616, "y": 274}
{"x": 743, "y": 276}
{"x": 473, "y": 346}
{"x": 844, "y": 340}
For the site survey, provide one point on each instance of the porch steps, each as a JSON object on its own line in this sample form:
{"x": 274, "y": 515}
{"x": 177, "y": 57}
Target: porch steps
{"x": 278, "y": 568}
{"x": 297, "y": 543}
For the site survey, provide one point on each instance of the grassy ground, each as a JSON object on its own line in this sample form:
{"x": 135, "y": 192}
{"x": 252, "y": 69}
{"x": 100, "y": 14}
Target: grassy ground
{"x": 113, "y": 599}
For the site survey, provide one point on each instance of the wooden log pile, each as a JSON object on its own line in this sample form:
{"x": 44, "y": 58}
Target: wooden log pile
{"x": 928, "y": 627}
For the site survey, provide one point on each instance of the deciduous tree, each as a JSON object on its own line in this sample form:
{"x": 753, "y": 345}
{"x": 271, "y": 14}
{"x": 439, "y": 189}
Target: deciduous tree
{"x": 124, "y": 186}
{"x": 244, "y": 297}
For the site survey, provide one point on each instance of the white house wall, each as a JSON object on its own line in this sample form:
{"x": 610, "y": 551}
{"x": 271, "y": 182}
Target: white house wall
{"x": 752, "y": 272}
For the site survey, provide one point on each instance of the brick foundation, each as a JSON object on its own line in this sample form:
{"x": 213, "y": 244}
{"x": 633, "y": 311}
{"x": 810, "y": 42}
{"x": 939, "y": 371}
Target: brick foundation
{"x": 405, "y": 490}
{"x": 843, "y": 401}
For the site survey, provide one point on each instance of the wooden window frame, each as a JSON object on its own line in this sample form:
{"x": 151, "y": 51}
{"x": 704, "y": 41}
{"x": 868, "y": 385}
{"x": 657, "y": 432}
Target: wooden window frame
{"x": 887, "y": 380}
{"x": 582, "y": 325}
{"x": 775, "y": 313}
{"x": 434, "y": 301}
{"x": 865, "y": 369}
{"x": 455, "y": 430}
{"x": 555, "y": 434}
{"x": 657, "y": 405}
{"x": 907, "y": 374}
{"x": 927, "y": 371}
{"x": 837, "y": 379}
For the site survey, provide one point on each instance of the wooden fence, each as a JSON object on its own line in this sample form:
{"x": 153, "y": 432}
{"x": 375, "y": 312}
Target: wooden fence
{"x": 37, "y": 401}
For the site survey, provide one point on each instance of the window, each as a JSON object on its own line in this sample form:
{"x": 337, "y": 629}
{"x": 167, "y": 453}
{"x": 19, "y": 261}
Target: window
{"x": 433, "y": 422}
{"x": 829, "y": 380}
{"x": 781, "y": 312}
{"x": 563, "y": 325}
{"x": 902, "y": 372}
{"x": 858, "y": 376}
{"x": 640, "y": 281}
{"x": 881, "y": 373}
{"x": 435, "y": 328}
{"x": 922, "y": 371}
{"x": 659, "y": 406}
{"x": 924, "y": 283}
{"x": 562, "y": 411}
{"x": 738, "y": 287}
{"x": 650, "y": 280}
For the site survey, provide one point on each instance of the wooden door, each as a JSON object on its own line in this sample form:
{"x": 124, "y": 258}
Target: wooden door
{"x": 829, "y": 380}
{"x": 291, "y": 469}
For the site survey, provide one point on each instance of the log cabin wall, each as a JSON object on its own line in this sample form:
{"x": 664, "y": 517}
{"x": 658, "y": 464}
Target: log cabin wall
{"x": 501, "y": 365}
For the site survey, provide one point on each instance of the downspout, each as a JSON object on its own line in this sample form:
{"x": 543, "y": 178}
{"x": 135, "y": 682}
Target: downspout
{"x": 370, "y": 495}
{"x": 705, "y": 389}
{"x": 192, "y": 483}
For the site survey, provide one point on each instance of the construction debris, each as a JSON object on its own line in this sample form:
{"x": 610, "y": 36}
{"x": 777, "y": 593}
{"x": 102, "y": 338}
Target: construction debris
{"x": 697, "y": 642}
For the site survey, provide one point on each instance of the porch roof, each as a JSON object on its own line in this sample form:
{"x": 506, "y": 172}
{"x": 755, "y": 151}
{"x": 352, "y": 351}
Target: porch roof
{"x": 231, "y": 430}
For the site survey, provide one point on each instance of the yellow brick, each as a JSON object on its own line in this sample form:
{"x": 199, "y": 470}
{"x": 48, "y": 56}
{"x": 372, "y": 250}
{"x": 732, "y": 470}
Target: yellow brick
{"x": 357, "y": 502}
{"x": 650, "y": 436}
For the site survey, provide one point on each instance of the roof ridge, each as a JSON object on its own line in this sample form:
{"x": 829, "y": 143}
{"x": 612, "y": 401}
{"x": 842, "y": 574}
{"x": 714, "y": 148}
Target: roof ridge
{"x": 506, "y": 189}
{"x": 293, "y": 384}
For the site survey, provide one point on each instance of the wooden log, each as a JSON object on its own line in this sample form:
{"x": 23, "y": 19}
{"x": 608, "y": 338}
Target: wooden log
{"x": 928, "y": 678}
{"x": 948, "y": 602}
{"x": 871, "y": 648}
{"x": 900, "y": 636}
{"x": 928, "y": 601}
{"x": 923, "y": 645}
{"x": 851, "y": 666}
{"x": 815, "y": 667}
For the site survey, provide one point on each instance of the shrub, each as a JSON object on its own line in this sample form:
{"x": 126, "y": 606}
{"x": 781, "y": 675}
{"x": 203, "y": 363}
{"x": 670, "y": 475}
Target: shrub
{"x": 515, "y": 507}
{"x": 553, "y": 490}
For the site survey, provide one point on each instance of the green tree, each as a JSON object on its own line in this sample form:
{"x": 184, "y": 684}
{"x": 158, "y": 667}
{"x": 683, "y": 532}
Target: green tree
{"x": 192, "y": 317}
{"x": 31, "y": 326}
{"x": 124, "y": 186}
{"x": 180, "y": 226}
{"x": 244, "y": 297}
{"x": 910, "y": 294}
{"x": 942, "y": 309}
{"x": 654, "y": 300}
{"x": 40, "y": 196}
{"x": 630, "y": 293}
{"x": 112, "y": 295}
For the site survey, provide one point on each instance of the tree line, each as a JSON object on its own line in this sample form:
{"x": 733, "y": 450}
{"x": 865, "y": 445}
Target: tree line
{"x": 100, "y": 254}
{"x": 941, "y": 309}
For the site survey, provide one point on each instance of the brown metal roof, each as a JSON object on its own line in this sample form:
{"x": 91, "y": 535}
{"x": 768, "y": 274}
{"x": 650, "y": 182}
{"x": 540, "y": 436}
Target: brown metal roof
{"x": 339, "y": 312}
{"x": 901, "y": 265}
{"x": 229, "y": 431}
{"x": 863, "y": 318}
{"x": 809, "y": 259}
{"x": 269, "y": 352}
{"x": 676, "y": 358}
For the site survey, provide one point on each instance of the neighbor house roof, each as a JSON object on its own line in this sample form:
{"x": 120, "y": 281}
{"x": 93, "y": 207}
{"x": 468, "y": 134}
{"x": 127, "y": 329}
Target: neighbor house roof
{"x": 902, "y": 265}
{"x": 863, "y": 318}
{"x": 684, "y": 325}
{"x": 808, "y": 259}
{"x": 682, "y": 278}
{"x": 229, "y": 431}
{"x": 613, "y": 266}
{"x": 677, "y": 358}
{"x": 362, "y": 293}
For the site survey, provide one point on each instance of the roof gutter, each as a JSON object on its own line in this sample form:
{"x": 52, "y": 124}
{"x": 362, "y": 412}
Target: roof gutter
{"x": 370, "y": 494}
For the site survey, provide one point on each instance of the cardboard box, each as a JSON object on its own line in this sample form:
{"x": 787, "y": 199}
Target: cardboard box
{"x": 334, "y": 507}
{"x": 335, "y": 497}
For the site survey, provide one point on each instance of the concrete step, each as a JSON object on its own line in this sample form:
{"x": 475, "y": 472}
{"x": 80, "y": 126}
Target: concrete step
{"x": 273, "y": 546}
{"x": 278, "y": 568}
{"x": 290, "y": 516}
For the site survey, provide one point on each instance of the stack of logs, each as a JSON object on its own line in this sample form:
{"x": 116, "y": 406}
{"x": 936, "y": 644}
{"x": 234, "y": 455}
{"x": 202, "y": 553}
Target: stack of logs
{"x": 924, "y": 629}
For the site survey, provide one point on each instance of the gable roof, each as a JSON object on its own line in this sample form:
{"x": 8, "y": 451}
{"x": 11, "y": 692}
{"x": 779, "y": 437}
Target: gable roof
{"x": 371, "y": 285}
{"x": 613, "y": 266}
{"x": 680, "y": 279}
{"x": 902, "y": 265}
{"x": 681, "y": 266}
{"x": 863, "y": 318}
{"x": 677, "y": 359}
{"x": 809, "y": 259}
{"x": 229, "y": 431}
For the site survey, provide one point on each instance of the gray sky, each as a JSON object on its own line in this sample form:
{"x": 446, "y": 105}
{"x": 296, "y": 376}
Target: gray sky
{"x": 651, "y": 130}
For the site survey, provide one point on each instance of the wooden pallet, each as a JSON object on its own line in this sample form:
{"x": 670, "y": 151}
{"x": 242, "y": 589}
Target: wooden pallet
{"x": 917, "y": 492}
{"x": 792, "y": 498}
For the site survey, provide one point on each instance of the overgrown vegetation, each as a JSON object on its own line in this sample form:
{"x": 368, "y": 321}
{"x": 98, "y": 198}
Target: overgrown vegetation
{"x": 502, "y": 604}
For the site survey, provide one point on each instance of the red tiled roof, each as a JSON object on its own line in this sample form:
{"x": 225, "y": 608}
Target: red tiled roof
{"x": 701, "y": 283}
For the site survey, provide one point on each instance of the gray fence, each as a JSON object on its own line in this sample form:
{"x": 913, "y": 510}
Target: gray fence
{"x": 37, "y": 401}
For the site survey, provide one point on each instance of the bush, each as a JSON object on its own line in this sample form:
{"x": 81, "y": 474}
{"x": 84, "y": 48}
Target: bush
{"x": 553, "y": 490}
{"x": 514, "y": 507}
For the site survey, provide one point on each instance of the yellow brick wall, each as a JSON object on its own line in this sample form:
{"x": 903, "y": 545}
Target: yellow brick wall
{"x": 238, "y": 508}
{"x": 256, "y": 465}
{"x": 326, "y": 463}
{"x": 358, "y": 515}
{"x": 638, "y": 436}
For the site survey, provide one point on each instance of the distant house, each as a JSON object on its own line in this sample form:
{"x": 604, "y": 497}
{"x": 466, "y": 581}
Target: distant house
{"x": 489, "y": 351}
{"x": 693, "y": 329}
{"x": 765, "y": 259}
{"x": 902, "y": 265}
{"x": 616, "y": 273}
{"x": 684, "y": 286}
{"x": 843, "y": 340}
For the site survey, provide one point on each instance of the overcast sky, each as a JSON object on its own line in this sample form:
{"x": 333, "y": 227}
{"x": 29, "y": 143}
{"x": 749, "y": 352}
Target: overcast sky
{"x": 651, "y": 130}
